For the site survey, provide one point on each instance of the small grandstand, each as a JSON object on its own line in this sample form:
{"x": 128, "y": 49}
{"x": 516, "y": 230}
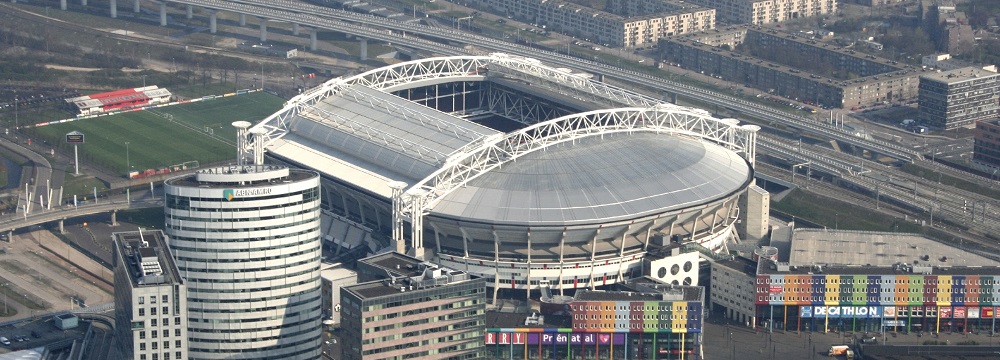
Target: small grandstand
{"x": 119, "y": 99}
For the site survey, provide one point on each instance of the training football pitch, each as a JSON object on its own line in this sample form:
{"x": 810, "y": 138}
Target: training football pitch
{"x": 165, "y": 136}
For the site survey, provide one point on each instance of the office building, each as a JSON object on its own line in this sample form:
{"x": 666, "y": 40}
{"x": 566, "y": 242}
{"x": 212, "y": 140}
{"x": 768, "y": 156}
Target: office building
{"x": 958, "y": 98}
{"x": 639, "y": 319}
{"x": 246, "y": 240}
{"x": 335, "y": 276}
{"x": 628, "y": 23}
{"x": 986, "y": 151}
{"x": 150, "y": 298}
{"x": 760, "y": 12}
{"x": 419, "y": 311}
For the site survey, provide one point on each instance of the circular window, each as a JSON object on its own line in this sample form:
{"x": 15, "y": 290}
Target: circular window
{"x": 674, "y": 282}
{"x": 662, "y": 272}
{"x": 687, "y": 266}
{"x": 675, "y": 269}
{"x": 687, "y": 281}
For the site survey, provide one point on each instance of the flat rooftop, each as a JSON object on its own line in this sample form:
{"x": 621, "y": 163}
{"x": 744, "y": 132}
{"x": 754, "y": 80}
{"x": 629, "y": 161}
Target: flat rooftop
{"x": 960, "y": 75}
{"x": 236, "y": 177}
{"x": 395, "y": 263}
{"x": 501, "y": 320}
{"x": 380, "y": 288}
{"x": 136, "y": 253}
{"x": 878, "y": 249}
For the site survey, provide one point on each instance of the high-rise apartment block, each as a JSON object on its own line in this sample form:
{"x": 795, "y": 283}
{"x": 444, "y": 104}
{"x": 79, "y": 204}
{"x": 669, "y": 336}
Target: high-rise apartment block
{"x": 150, "y": 298}
{"x": 760, "y": 12}
{"x": 960, "y": 97}
{"x": 420, "y": 311}
{"x": 247, "y": 241}
{"x": 627, "y": 23}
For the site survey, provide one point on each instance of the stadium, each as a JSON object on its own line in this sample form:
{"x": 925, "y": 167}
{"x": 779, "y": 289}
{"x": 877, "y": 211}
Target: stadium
{"x": 522, "y": 173}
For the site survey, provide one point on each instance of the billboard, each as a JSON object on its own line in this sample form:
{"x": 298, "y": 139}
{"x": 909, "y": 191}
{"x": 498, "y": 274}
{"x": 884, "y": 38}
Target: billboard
{"x": 841, "y": 311}
{"x": 535, "y": 338}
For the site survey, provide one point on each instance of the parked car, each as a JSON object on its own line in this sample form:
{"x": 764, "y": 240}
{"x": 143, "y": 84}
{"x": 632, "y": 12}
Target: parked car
{"x": 4, "y": 340}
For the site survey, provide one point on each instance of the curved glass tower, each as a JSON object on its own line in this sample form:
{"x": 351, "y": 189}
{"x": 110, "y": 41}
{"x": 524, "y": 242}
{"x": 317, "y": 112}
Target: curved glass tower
{"x": 247, "y": 241}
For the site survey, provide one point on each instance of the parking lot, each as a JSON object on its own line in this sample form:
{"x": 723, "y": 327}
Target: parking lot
{"x": 39, "y": 273}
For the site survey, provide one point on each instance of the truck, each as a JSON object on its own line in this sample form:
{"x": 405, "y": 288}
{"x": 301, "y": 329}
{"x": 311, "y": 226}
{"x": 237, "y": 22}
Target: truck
{"x": 838, "y": 350}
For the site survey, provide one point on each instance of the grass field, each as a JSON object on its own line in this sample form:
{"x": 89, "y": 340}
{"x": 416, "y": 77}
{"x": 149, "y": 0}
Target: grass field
{"x": 841, "y": 215}
{"x": 154, "y": 140}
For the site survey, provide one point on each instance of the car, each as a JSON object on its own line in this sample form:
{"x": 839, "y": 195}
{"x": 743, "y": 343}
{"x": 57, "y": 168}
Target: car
{"x": 35, "y": 334}
{"x": 4, "y": 340}
{"x": 869, "y": 340}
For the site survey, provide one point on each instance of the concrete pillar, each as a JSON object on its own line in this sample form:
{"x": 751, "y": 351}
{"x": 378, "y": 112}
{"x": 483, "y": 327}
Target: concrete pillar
{"x": 190, "y": 11}
{"x": 114, "y": 8}
{"x": 312, "y": 40}
{"x": 163, "y": 13}
{"x": 364, "y": 49}
{"x": 114, "y": 218}
{"x": 62, "y": 226}
{"x": 62, "y": 4}
{"x": 10, "y": 236}
{"x": 600, "y": 77}
{"x": 135, "y": 6}
{"x": 263, "y": 30}
{"x": 243, "y": 19}
{"x": 212, "y": 20}
{"x": 673, "y": 98}
{"x": 295, "y": 29}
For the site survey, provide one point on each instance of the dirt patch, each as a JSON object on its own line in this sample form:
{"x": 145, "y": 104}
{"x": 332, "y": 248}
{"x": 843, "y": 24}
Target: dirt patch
{"x": 69, "y": 68}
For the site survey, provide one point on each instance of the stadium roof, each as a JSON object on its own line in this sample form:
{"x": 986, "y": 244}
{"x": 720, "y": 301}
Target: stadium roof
{"x": 600, "y": 178}
{"x": 369, "y": 138}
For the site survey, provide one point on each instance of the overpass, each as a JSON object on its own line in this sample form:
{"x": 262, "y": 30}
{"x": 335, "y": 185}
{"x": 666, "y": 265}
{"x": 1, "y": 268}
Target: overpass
{"x": 9, "y": 224}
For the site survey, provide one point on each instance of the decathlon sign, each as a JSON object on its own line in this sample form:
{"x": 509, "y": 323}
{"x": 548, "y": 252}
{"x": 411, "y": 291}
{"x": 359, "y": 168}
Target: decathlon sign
{"x": 841, "y": 311}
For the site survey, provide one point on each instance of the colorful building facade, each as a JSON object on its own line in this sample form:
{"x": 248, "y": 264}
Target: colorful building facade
{"x": 895, "y": 302}
{"x": 657, "y": 322}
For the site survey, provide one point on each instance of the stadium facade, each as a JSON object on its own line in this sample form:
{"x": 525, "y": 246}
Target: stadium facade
{"x": 246, "y": 239}
{"x": 505, "y": 168}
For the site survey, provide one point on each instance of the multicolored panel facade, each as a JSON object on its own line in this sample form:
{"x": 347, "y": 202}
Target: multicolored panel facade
{"x": 931, "y": 303}
{"x": 637, "y": 316}
{"x": 562, "y": 343}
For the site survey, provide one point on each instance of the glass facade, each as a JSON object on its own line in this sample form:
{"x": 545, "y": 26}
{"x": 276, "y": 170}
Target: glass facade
{"x": 249, "y": 247}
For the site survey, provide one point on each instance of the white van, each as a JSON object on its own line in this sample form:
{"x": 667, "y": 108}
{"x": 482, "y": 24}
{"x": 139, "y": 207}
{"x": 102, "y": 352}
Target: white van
{"x": 4, "y": 340}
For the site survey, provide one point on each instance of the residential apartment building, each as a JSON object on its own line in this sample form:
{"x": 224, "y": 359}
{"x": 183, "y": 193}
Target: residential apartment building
{"x": 760, "y": 12}
{"x": 247, "y": 240}
{"x": 842, "y": 78}
{"x": 150, "y": 298}
{"x": 986, "y": 150}
{"x": 429, "y": 313}
{"x": 628, "y": 23}
{"x": 640, "y": 319}
{"x": 958, "y": 98}
{"x": 732, "y": 287}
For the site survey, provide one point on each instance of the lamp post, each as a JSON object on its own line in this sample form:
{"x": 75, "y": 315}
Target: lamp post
{"x": 128, "y": 162}
{"x": 15, "y": 112}
{"x": 5, "y": 298}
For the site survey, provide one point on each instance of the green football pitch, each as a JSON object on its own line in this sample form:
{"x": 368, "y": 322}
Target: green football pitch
{"x": 165, "y": 136}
